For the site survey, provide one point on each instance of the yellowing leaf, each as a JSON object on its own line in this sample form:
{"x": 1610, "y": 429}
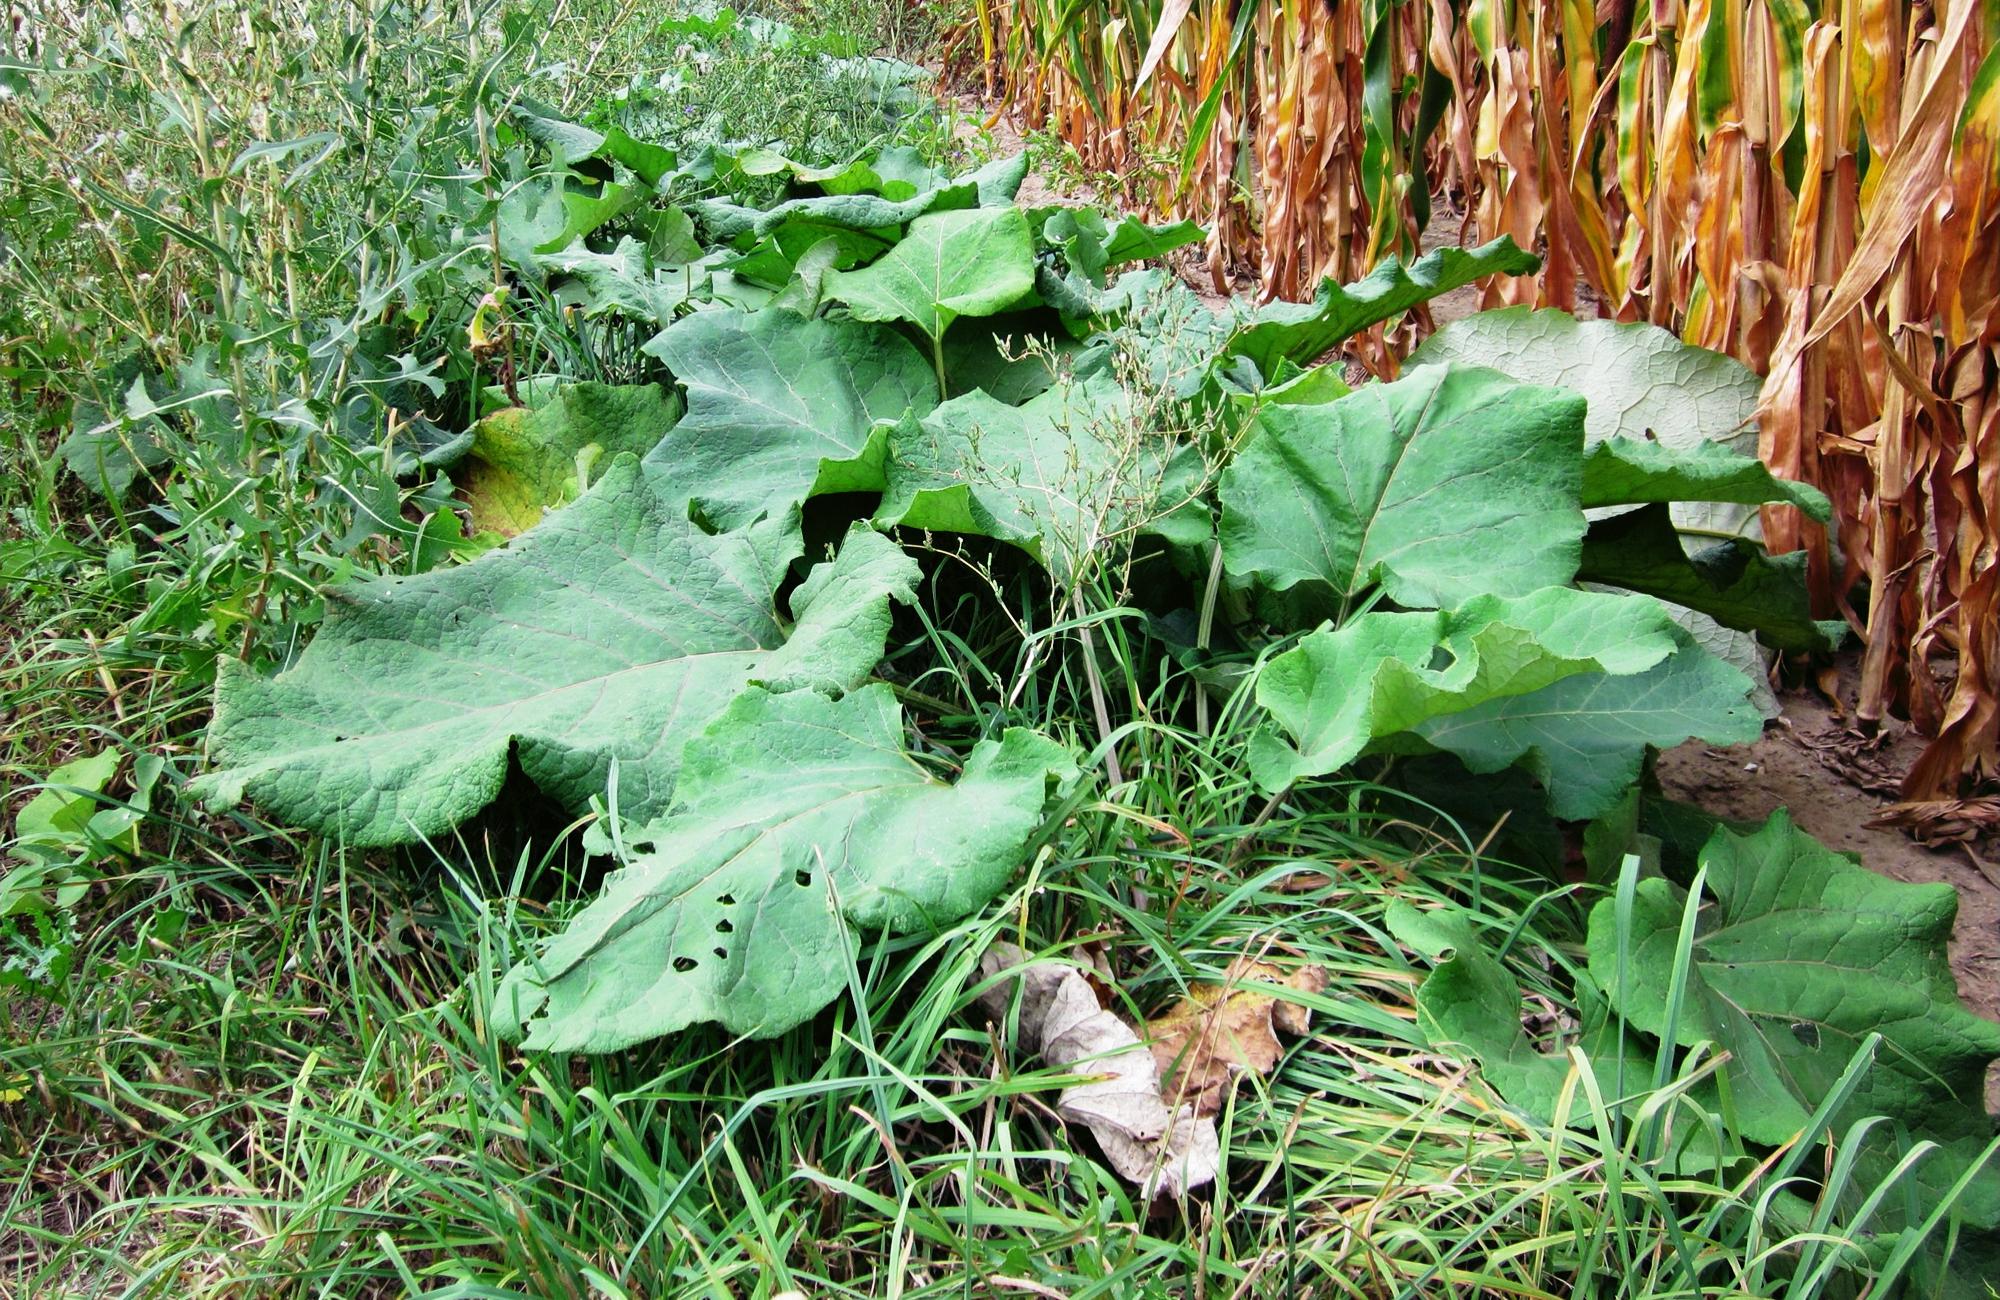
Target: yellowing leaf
{"x": 1221, "y": 1031}
{"x": 524, "y": 461}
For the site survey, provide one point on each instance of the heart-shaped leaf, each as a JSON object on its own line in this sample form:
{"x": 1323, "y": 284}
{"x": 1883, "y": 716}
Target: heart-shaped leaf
{"x": 1642, "y": 383}
{"x": 1801, "y": 955}
{"x": 525, "y": 460}
{"x": 1341, "y": 689}
{"x": 1585, "y": 737}
{"x": 1733, "y": 582}
{"x": 950, "y": 264}
{"x": 1059, "y": 475}
{"x": 781, "y": 408}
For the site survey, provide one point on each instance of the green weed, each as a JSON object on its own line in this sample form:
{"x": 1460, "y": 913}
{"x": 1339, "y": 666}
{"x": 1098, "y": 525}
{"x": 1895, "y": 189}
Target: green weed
{"x": 238, "y": 1061}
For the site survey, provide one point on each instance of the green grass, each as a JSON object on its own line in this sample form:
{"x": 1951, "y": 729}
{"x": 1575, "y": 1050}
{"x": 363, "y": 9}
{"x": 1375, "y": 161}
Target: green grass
{"x": 269, "y": 1069}
{"x": 289, "y": 1090}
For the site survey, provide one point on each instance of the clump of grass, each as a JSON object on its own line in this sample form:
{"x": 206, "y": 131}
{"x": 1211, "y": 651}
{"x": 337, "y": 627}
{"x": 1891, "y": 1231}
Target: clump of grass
{"x": 812, "y": 92}
{"x": 276, "y": 1078}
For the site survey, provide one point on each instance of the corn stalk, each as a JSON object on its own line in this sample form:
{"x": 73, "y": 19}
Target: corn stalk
{"x": 1810, "y": 185}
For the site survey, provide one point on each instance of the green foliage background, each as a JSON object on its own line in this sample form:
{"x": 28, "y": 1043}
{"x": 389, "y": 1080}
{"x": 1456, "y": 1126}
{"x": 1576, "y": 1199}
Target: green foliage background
{"x": 929, "y": 581}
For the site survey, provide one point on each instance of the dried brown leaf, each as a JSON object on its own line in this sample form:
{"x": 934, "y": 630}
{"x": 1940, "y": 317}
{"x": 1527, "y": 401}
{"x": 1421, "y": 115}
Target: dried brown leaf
{"x": 1941, "y": 821}
{"x": 1221, "y": 1031}
{"x": 1164, "y": 1150}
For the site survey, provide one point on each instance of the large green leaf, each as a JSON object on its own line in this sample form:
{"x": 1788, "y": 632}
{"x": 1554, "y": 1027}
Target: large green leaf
{"x": 1450, "y": 483}
{"x": 548, "y": 214}
{"x": 524, "y": 460}
{"x": 991, "y": 186}
{"x": 625, "y": 282}
{"x": 1301, "y": 332}
{"x": 572, "y": 143}
{"x": 794, "y": 812}
{"x": 1800, "y": 957}
{"x": 110, "y": 450}
{"x": 949, "y": 264}
{"x": 781, "y": 408}
{"x": 1092, "y": 244}
{"x": 1640, "y": 379}
{"x": 614, "y": 631}
{"x": 896, "y": 173}
{"x": 1733, "y": 581}
{"x": 1340, "y": 689}
{"x": 1009, "y": 358}
{"x": 1058, "y": 476}
{"x": 1632, "y": 471}
{"x": 1642, "y": 382}
{"x": 1585, "y": 737}
{"x": 1665, "y": 404}
{"x": 775, "y": 258}
{"x": 1469, "y": 1002}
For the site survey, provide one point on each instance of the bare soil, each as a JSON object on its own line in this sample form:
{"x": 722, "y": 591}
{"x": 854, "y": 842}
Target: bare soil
{"x": 1834, "y": 782}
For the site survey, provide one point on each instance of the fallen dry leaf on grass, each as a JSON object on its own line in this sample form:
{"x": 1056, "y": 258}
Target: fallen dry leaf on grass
{"x": 1163, "y": 1150}
{"x": 1219, "y": 1031}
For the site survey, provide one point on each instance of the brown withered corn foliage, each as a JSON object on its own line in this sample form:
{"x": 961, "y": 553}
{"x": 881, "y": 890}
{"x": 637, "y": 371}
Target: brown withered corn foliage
{"x": 1810, "y": 185}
